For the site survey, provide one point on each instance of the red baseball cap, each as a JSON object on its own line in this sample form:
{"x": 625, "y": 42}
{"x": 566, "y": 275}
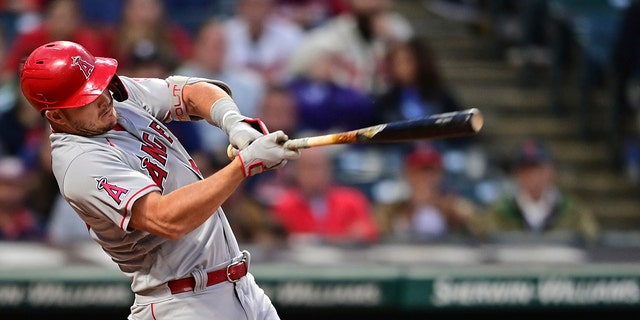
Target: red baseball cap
{"x": 424, "y": 158}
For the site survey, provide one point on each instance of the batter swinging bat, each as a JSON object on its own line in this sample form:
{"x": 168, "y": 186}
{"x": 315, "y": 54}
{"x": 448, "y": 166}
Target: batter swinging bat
{"x": 436, "y": 126}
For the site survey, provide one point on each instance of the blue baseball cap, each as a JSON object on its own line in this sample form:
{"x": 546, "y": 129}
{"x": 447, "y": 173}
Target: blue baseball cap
{"x": 530, "y": 153}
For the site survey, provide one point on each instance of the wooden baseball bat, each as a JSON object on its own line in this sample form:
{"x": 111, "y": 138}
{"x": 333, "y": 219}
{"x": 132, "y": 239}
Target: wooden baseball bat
{"x": 436, "y": 126}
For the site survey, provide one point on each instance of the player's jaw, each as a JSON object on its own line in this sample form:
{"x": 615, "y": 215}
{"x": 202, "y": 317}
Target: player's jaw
{"x": 92, "y": 119}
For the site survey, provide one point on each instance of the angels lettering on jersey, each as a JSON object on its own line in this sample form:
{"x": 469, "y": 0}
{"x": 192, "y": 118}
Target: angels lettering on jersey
{"x": 152, "y": 160}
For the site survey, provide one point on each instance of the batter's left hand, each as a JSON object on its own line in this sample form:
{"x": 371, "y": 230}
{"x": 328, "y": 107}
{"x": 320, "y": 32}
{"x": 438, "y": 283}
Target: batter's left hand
{"x": 244, "y": 132}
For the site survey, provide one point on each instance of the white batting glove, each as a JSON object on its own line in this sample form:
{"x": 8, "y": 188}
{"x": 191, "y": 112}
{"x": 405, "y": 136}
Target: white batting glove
{"x": 244, "y": 132}
{"x": 266, "y": 153}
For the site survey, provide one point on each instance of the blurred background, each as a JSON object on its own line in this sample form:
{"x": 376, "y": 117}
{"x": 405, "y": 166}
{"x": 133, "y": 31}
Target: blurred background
{"x": 537, "y": 214}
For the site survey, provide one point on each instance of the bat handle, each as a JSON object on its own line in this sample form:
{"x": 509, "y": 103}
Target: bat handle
{"x": 293, "y": 144}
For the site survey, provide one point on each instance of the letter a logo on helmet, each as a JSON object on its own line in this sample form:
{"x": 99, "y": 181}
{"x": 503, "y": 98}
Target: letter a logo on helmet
{"x": 84, "y": 65}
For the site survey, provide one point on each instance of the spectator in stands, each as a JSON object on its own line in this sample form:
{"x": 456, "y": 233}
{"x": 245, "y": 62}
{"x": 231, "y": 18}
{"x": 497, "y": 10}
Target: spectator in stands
{"x": 428, "y": 211}
{"x": 18, "y": 17}
{"x": 279, "y": 108}
{"x": 62, "y": 21}
{"x": 144, "y": 27}
{"x": 191, "y": 13}
{"x": 261, "y": 40}
{"x": 416, "y": 86}
{"x": 317, "y": 210}
{"x": 17, "y": 221}
{"x": 209, "y": 61}
{"x": 148, "y": 62}
{"x": 309, "y": 14}
{"x": 100, "y": 13}
{"x": 536, "y": 204}
{"x": 324, "y": 104}
{"x": 22, "y": 129}
{"x": 359, "y": 38}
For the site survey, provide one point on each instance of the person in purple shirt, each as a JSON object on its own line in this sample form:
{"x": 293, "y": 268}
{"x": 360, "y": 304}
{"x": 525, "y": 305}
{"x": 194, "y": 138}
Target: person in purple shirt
{"x": 325, "y": 105}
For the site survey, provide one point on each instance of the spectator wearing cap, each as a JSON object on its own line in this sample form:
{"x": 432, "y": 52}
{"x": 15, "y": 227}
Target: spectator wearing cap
{"x": 428, "y": 210}
{"x": 17, "y": 221}
{"x": 536, "y": 204}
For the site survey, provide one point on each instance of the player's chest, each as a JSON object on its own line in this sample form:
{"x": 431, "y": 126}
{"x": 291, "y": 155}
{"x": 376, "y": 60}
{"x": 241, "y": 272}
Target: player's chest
{"x": 154, "y": 151}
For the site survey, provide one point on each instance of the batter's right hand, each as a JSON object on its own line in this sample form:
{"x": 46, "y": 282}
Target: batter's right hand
{"x": 266, "y": 153}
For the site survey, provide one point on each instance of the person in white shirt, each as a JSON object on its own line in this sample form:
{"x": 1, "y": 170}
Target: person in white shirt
{"x": 261, "y": 40}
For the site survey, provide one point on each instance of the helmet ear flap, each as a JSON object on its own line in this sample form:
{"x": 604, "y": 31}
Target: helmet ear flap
{"x": 117, "y": 89}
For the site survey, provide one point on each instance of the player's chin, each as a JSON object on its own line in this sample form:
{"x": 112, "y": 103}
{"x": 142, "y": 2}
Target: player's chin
{"x": 110, "y": 117}
{"x": 107, "y": 122}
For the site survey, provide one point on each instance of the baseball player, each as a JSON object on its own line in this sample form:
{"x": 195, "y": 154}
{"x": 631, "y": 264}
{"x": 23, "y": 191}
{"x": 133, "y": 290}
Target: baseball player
{"x": 141, "y": 195}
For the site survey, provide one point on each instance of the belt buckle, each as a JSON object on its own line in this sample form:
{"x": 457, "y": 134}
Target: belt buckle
{"x": 229, "y": 272}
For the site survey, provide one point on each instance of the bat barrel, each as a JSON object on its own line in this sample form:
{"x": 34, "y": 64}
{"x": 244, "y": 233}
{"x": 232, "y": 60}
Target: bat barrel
{"x": 442, "y": 125}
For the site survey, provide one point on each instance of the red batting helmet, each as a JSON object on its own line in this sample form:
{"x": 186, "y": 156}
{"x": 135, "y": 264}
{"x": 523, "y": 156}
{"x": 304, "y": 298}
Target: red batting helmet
{"x": 63, "y": 74}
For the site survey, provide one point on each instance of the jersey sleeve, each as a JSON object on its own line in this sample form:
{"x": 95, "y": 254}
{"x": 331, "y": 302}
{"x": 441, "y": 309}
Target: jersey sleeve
{"x": 176, "y": 84}
{"x": 104, "y": 186}
{"x": 162, "y": 98}
{"x": 150, "y": 94}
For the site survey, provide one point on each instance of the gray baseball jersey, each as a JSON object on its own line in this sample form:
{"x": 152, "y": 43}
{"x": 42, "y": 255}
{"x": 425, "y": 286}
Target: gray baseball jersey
{"x": 102, "y": 176}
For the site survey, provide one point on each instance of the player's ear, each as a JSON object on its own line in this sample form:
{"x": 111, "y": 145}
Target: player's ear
{"x": 54, "y": 116}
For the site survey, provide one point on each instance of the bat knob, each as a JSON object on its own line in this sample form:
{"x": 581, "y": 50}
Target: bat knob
{"x": 231, "y": 152}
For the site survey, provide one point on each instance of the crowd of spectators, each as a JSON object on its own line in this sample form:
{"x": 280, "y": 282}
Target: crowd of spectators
{"x": 306, "y": 67}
